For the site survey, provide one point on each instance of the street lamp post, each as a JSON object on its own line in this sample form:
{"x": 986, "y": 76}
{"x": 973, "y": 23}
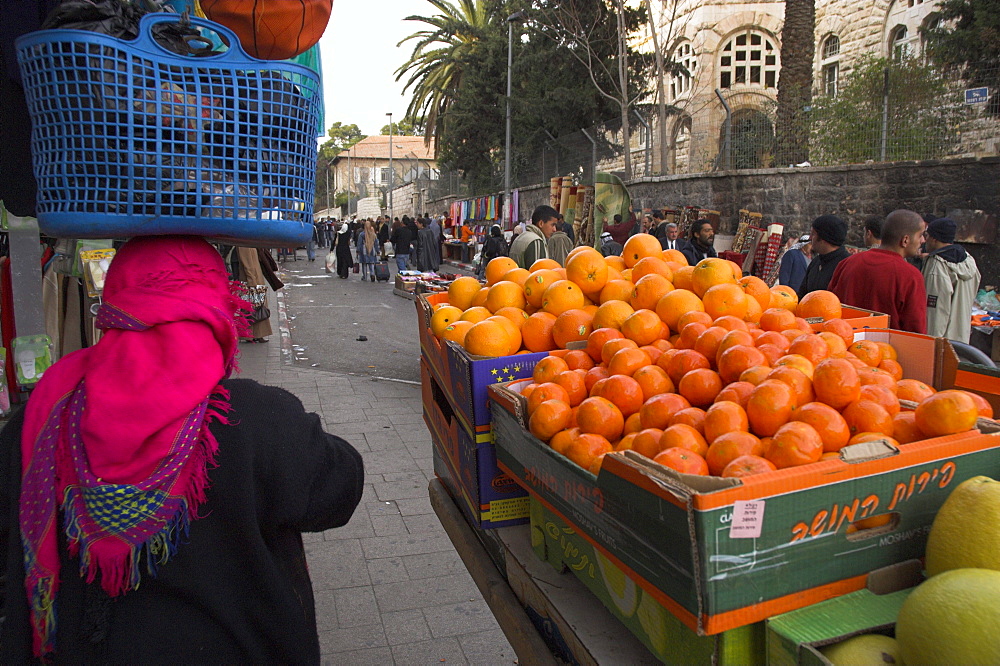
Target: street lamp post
{"x": 350, "y": 181}
{"x": 515, "y": 17}
{"x": 390, "y": 164}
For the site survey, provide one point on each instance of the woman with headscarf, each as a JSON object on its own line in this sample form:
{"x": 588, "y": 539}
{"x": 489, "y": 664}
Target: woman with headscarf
{"x": 495, "y": 246}
{"x": 160, "y": 503}
{"x": 366, "y": 250}
{"x": 343, "y": 244}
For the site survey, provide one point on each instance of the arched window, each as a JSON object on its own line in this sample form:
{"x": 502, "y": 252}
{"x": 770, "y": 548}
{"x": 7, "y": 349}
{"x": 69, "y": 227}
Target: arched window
{"x": 681, "y": 148}
{"x": 901, "y": 30}
{"x": 680, "y": 83}
{"x": 749, "y": 59}
{"x": 752, "y": 139}
{"x": 899, "y": 43}
{"x": 830, "y": 64}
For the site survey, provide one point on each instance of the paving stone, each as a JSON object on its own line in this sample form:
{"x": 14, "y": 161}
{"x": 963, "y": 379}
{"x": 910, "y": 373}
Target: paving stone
{"x": 406, "y": 419}
{"x": 443, "y": 650}
{"x": 352, "y": 638}
{"x": 331, "y": 570}
{"x": 423, "y": 524}
{"x": 406, "y": 544}
{"x": 415, "y": 506}
{"x": 381, "y": 508}
{"x": 371, "y": 657}
{"x": 387, "y": 570}
{"x": 487, "y": 647}
{"x": 425, "y": 464}
{"x": 376, "y": 462}
{"x": 355, "y": 606}
{"x": 405, "y": 627}
{"x": 461, "y": 618}
{"x": 425, "y": 593}
{"x": 389, "y": 525}
{"x": 401, "y": 490}
{"x": 359, "y": 527}
{"x": 431, "y": 565}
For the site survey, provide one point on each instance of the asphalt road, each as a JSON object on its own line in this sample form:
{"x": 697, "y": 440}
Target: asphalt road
{"x": 327, "y": 315}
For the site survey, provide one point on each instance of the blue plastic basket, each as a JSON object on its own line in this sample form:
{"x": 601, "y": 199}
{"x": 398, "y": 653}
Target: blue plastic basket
{"x": 131, "y": 139}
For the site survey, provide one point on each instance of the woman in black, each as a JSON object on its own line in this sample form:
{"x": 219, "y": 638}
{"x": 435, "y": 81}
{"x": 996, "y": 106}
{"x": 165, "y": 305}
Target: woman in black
{"x": 344, "y": 259}
{"x": 495, "y": 246}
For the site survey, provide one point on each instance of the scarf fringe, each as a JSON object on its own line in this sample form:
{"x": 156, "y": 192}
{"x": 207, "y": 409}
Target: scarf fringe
{"x": 41, "y": 598}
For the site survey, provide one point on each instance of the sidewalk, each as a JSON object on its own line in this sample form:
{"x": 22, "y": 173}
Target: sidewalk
{"x": 390, "y": 588}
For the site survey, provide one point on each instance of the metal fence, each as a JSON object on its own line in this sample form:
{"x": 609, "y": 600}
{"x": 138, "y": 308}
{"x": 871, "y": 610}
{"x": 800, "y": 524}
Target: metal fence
{"x": 881, "y": 114}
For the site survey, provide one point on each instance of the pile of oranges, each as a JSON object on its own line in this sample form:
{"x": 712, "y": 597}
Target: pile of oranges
{"x": 697, "y": 367}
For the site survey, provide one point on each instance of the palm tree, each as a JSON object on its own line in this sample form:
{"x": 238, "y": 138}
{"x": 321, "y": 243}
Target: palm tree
{"x": 436, "y": 64}
{"x": 795, "y": 83}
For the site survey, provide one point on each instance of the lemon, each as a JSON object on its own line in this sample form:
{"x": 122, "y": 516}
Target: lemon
{"x": 874, "y": 649}
{"x": 964, "y": 533}
{"x": 952, "y": 618}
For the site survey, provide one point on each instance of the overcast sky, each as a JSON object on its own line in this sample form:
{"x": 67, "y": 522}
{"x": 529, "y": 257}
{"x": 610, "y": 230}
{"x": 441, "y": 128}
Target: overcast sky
{"x": 360, "y": 58}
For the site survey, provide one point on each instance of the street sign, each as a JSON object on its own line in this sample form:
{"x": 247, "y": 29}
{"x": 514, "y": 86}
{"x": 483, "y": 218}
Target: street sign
{"x": 977, "y": 95}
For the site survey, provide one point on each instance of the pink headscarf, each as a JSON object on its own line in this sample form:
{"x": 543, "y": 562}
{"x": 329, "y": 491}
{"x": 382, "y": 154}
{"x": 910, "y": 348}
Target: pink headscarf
{"x": 116, "y": 436}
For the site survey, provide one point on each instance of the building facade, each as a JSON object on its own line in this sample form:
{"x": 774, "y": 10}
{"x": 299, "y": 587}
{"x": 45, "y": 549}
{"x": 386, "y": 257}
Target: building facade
{"x": 364, "y": 169}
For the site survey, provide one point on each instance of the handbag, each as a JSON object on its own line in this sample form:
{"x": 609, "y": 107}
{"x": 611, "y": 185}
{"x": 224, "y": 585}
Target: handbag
{"x": 356, "y": 268}
{"x": 258, "y": 299}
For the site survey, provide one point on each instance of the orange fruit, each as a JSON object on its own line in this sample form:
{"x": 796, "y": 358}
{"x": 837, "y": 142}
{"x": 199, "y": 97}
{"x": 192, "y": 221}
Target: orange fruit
{"x": 588, "y": 450}
{"x": 543, "y": 264}
{"x": 811, "y": 346}
{"x": 516, "y": 275}
{"x": 673, "y": 305}
{"x": 647, "y": 442}
{"x": 872, "y": 437}
{"x": 820, "y": 303}
{"x": 653, "y": 380}
{"x": 547, "y": 369}
{"x": 725, "y": 299}
{"x": 624, "y": 392}
{"x": 690, "y": 334}
{"x": 536, "y": 333}
{"x": 771, "y": 353}
{"x": 456, "y": 332}
{"x": 627, "y": 362}
{"x": 576, "y": 387}
{"x": 747, "y": 466}
{"x": 770, "y": 406}
{"x": 892, "y": 367}
{"x": 869, "y": 375}
{"x": 505, "y": 294}
{"x": 801, "y": 385}
{"x": 983, "y": 406}
{"x": 571, "y": 326}
{"x": 737, "y": 359}
{"x": 834, "y": 343}
{"x": 684, "y": 361}
{"x": 517, "y": 316}
{"x": 756, "y": 289}
{"x": 639, "y": 247}
{"x": 594, "y": 375}
{"x": 616, "y": 262}
{"x": 700, "y": 386}
{"x": 904, "y": 428}
{"x": 836, "y": 383}
{"x": 588, "y": 270}
{"x": 537, "y": 283}
{"x": 730, "y": 446}
{"x": 723, "y": 417}
{"x": 839, "y": 327}
{"x": 912, "y": 389}
{"x": 692, "y": 416}
{"x": 562, "y": 439}
{"x": 798, "y": 362}
{"x": 578, "y": 249}
{"x": 754, "y": 376}
{"x": 682, "y": 278}
{"x": 612, "y": 314}
{"x": 612, "y": 347}
{"x": 682, "y": 460}
{"x": 497, "y": 268}
{"x": 476, "y": 314}
{"x": 773, "y": 338}
{"x": 868, "y": 416}
{"x": 617, "y": 290}
{"x": 794, "y": 444}
{"x": 487, "y": 338}
{"x": 710, "y": 272}
{"x": 650, "y": 266}
{"x": 867, "y": 351}
{"x": 888, "y": 352}
{"x": 548, "y": 418}
{"x": 597, "y": 338}
{"x": 633, "y": 424}
{"x": 642, "y": 326}
{"x": 709, "y": 341}
{"x": 881, "y": 395}
{"x": 675, "y": 256}
{"x": 691, "y": 316}
{"x": 462, "y": 290}
{"x": 546, "y": 391}
{"x": 648, "y": 291}
{"x": 731, "y": 323}
{"x": 946, "y": 413}
{"x": 513, "y": 333}
{"x": 827, "y": 422}
{"x": 777, "y": 319}
{"x": 562, "y": 295}
{"x": 783, "y": 297}
{"x": 738, "y": 392}
{"x": 754, "y": 311}
{"x": 600, "y": 416}
{"x": 653, "y": 352}
{"x": 685, "y": 437}
{"x": 659, "y": 411}
{"x": 578, "y": 359}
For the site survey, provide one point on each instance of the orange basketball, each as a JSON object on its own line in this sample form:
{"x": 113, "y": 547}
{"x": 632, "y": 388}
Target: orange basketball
{"x": 275, "y": 30}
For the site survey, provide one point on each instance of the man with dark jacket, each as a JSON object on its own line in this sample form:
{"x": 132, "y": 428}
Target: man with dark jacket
{"x": 670, "y": 241}
{"x": 701, "y": 245}
{"x": 828, "y": 235}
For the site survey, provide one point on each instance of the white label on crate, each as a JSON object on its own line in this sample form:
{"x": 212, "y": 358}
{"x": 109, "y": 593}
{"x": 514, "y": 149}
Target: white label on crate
{"x": 748, "y": 519}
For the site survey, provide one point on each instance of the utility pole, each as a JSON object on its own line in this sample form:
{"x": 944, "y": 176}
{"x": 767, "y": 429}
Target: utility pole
{"x": 390, "y": 164}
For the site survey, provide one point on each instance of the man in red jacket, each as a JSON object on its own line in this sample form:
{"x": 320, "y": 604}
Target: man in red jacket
{"x": 882, "y": 280}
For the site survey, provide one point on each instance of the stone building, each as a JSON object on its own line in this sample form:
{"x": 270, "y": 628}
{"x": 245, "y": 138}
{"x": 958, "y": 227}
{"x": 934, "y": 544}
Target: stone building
{"x": 734, "y": 47}
{"x": 363, "y": 170}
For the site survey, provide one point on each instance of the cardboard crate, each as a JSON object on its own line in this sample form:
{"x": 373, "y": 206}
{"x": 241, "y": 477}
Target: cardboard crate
{"x": 858, "y": 318}
{"x": 468, "y": 464}
{"x": 671, "y": 533}
{"x": 466, "y": 378}
{"x": 970, "y": 377}
{"x": 667, "y": 638}
{"x": 796, "y": 638}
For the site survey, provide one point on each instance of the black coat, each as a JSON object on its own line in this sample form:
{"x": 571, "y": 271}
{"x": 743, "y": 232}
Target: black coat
{"x": 401, "y": 239}
{"x": 238, "y": 590}
{"x": 820, "y": 271}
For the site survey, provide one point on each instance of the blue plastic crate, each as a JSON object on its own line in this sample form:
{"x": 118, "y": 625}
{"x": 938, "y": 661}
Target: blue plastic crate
{"x": 131, "y": 139}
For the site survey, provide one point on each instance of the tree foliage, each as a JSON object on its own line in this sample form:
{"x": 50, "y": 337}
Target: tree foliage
{"x": 404, "y": 127}
{"x": 967, "y": 39}
{"x": 342, "y": 137}
{"x": 795, "y": 83}
{"x": 848, "y": 128}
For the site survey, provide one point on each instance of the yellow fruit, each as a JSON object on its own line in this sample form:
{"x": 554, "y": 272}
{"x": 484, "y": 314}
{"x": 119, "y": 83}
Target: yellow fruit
{"x": 867, "y": 649}
{"x": 443, "y": 318}
{"x": 952, "y": 618}
{"x": 462, "y": 291}
{"x": 965, "y": 532}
